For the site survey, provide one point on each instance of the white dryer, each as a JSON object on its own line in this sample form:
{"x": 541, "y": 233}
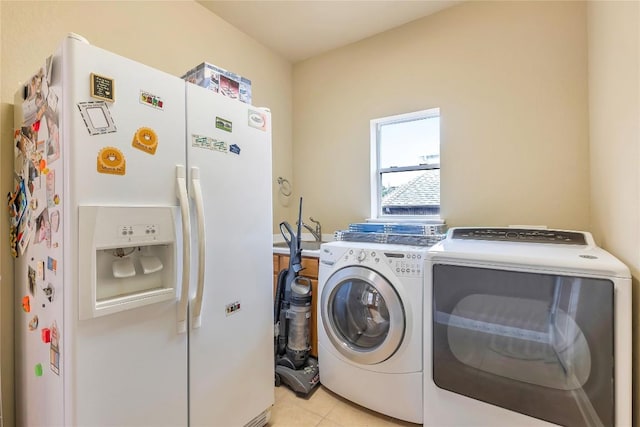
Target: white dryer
{"x": 526, "y": 328}
{"x": 370, "y": 328}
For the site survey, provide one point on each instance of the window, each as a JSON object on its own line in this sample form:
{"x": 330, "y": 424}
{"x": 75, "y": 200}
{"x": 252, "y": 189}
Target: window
{"x": 405, "y": 166}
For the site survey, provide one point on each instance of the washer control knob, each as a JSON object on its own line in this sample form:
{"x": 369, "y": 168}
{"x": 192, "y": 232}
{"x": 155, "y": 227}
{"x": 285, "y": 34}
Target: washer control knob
{"x": 362, "y": 255}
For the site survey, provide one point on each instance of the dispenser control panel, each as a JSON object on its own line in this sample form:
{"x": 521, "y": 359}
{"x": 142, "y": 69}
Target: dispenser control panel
{"x": 138, "y": 233}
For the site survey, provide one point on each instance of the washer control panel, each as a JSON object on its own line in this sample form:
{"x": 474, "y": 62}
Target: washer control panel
{"x": 409, "y": 264}
{"x": 406, "y": 264}
{"x": 358, "y": 256}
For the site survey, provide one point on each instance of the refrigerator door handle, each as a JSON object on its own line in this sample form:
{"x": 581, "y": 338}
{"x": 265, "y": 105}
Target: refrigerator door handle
{"x": 196, "y": 194}
{"x": 181, "y": 183}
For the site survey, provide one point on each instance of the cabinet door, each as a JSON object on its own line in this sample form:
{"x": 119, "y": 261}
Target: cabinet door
{"x": 309, "y": 266}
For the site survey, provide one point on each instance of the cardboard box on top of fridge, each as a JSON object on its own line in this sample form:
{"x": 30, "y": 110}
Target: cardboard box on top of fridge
{"x": 220, "y": 81}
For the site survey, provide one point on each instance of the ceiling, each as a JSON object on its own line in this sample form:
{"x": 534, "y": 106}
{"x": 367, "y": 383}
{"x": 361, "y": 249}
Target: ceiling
{"x": 300, "y": 29}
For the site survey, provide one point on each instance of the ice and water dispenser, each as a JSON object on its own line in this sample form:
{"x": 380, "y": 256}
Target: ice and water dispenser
{"x": 127, "y": 258}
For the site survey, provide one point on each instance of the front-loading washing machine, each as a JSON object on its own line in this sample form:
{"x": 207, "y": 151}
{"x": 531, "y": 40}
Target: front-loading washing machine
{"x": 370, "y": 325}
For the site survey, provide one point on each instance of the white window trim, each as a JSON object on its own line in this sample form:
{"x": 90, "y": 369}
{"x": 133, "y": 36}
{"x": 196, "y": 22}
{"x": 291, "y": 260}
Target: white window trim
{"x": 375, "y": 176}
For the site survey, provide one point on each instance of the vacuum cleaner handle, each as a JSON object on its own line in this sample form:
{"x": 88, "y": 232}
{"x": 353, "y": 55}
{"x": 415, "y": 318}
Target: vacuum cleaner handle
{"x": 299, "y": 235}
{"x": 287, "y": 232}
{"x": 293, "y": 240}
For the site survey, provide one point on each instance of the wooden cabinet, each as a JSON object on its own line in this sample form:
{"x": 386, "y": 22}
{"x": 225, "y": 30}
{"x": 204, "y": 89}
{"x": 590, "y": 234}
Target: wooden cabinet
{"x": 310, "y": 270}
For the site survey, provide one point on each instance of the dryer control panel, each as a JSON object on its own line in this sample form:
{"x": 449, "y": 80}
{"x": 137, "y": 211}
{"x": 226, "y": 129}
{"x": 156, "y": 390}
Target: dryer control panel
{"x": 521, "y": 235}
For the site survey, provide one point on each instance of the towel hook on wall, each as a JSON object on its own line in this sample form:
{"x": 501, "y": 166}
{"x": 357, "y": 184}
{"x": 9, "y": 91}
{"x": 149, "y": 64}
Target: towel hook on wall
{"x": 285, "y": 186}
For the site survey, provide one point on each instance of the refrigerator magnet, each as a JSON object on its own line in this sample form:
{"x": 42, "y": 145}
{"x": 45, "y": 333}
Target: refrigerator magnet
{"x": 218, "y": 145}
{"x": 235, "y": 149}
{"x": 43, "y": 228}
{"x": 48, "y": 292}
{"x": 38, "y": 369}
{"x": 33, "y": 323}
{"x": 45, "y": 335}
{"x": 97, "y": 117}
{"x": 151, "y": 100}
{"x": 51, "y": 188}
{"x": 52, "y": 264}
{"x": 29, "y": 110}
{"x": 258, "y": 120}
{"x": 52, "y": 101}
{"x": 26, "y": 304}
{"x": 102, "y": 87}
{"x": 25, "y": 230}
{"x": 145, "y": 139}
{"x": 208, "y": 143}
{"x": 48, "y": 68}
{"x": 111, "y": 161}
{"x": 35, "y": 92}
{"x": 24, "y": 148}
{"x": 13, "y": 241}
{"x": 40, "y": 270}
{"x": 31, "y": 276}
{"x": 53, "y": 138}
{"x": 55, "y": 221}
{"x": 223, "y": 124}
{"x": 54, "y": 351}
{"x": 199, "y": 141}
{"x": 18, "y": 202}
{"x": 42, "y": 165}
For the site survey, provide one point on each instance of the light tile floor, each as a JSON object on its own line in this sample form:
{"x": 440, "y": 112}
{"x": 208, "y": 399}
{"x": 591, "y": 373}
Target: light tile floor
{"x": 324, "y": 409}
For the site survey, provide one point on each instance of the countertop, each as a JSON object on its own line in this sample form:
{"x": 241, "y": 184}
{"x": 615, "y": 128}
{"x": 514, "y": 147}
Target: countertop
{"x": 305, "y": 236}
{"x": 305, "y": 252}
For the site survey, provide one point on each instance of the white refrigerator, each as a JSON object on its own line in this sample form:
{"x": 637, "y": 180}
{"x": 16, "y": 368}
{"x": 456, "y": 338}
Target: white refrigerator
{"x": 142, "y": 228}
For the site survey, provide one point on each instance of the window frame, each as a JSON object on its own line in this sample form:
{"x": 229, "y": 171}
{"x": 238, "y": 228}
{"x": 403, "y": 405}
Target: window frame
{"x": 377, "y": 171}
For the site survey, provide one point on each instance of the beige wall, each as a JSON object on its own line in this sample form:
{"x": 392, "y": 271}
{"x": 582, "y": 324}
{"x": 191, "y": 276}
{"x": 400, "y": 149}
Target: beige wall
{"x": 170, "y": 36}
{"x": 510, "y": 79}
{"x": 614, "y": 125}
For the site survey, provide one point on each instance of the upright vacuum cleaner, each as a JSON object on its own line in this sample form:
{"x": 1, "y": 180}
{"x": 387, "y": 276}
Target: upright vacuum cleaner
{"x": 292, "y": 312}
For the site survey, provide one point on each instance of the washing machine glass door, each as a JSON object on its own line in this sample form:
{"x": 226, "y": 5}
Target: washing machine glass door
{"x": 362, "y": 315}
